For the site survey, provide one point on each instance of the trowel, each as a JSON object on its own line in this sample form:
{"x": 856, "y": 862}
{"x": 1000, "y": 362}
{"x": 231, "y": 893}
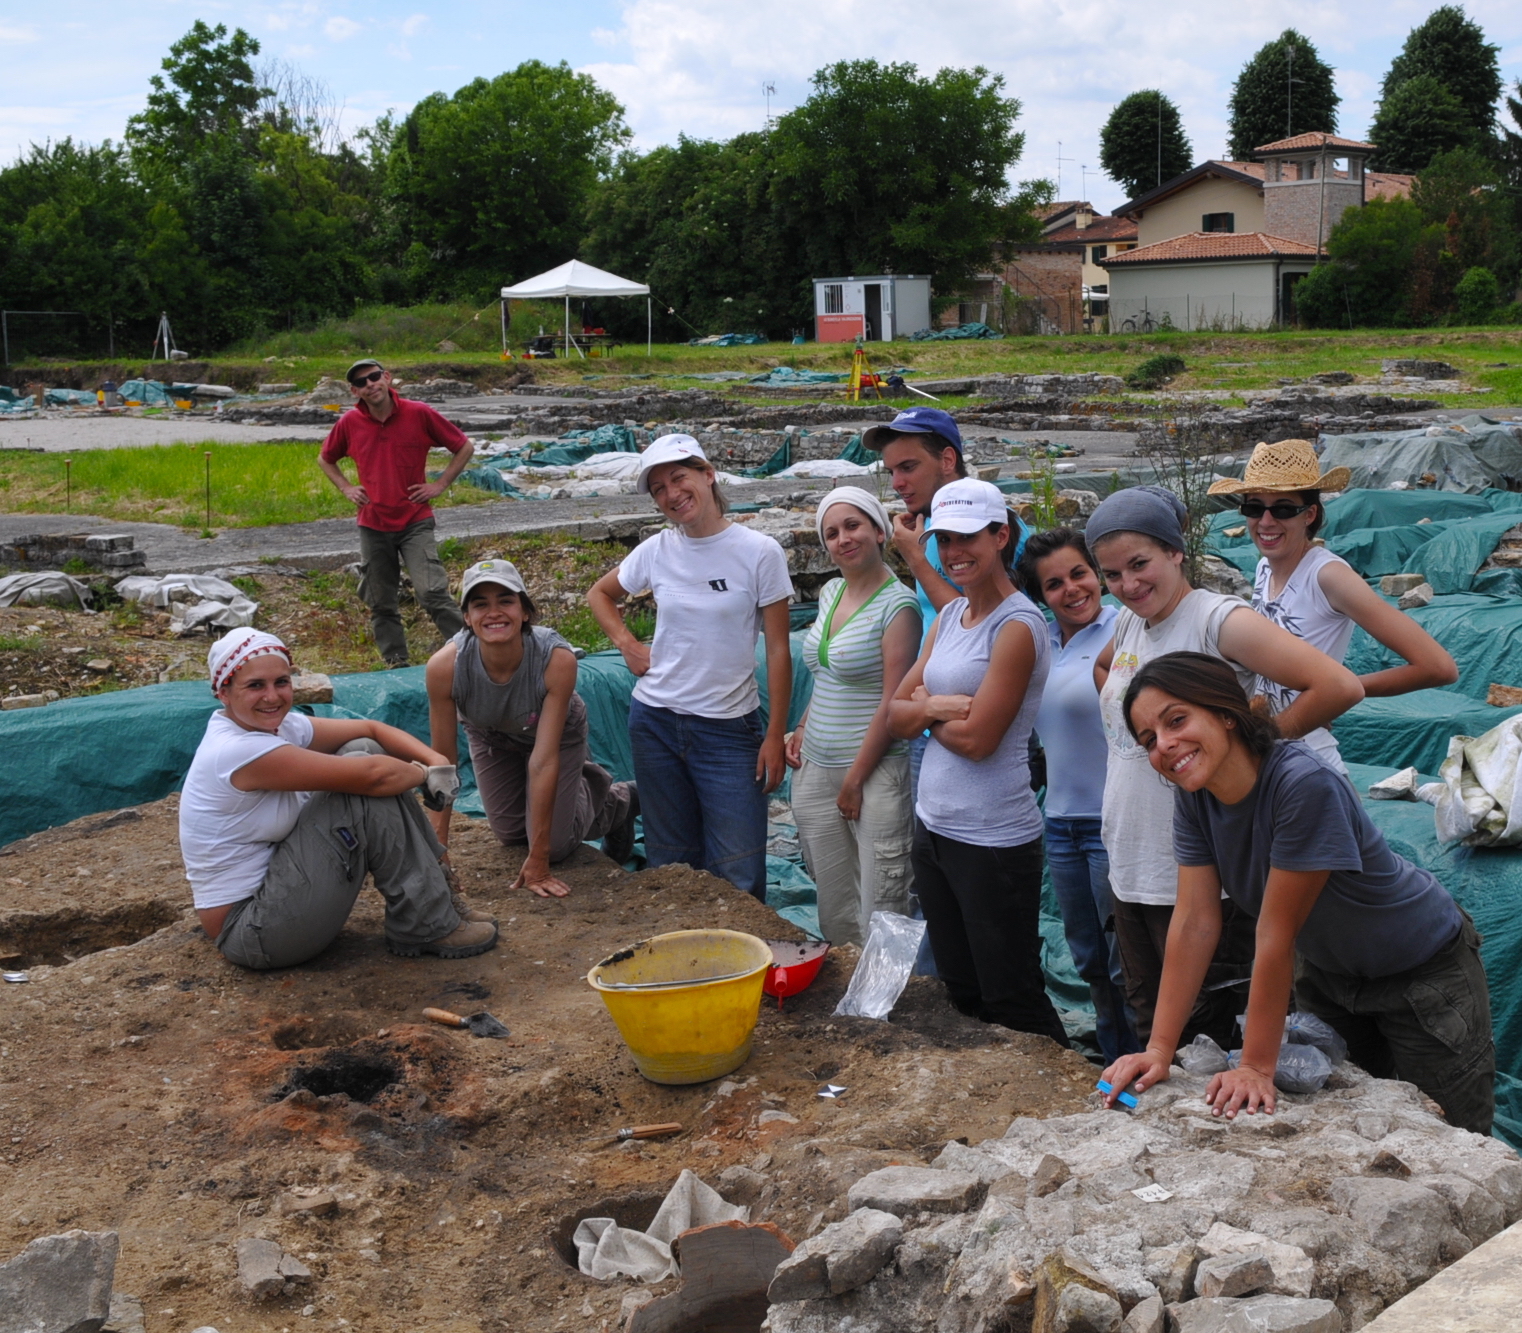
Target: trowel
{"x": 480, "y": 1025}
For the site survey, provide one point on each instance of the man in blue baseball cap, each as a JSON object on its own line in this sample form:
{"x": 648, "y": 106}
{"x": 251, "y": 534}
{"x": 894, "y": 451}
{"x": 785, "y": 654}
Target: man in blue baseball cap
{"x": 922, "y": 451}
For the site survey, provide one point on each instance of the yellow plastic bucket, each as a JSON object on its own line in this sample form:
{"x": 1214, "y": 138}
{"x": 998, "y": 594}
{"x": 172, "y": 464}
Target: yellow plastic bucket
{"x": 686, "y": 1003}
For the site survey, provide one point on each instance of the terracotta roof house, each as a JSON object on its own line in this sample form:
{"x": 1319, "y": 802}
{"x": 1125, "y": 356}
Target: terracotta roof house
{"x": 1222, "y": 246}
{"x": 1101, "y": 238}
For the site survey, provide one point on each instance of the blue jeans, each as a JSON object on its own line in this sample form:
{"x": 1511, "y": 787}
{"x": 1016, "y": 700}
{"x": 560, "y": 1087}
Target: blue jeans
{"x": 1080, "y": 874}
{"x": 698, "y": 793}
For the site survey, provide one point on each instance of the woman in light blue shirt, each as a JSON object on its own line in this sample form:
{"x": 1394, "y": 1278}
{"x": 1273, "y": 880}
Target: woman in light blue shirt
{"x": 1058, "y": 570}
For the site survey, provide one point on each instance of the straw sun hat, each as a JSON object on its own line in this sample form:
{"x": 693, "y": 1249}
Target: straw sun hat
{"x": 1289, "y": 465}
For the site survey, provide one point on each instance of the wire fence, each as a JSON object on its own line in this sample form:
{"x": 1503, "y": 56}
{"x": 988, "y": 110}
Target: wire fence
{"x": 1213, "y": 312}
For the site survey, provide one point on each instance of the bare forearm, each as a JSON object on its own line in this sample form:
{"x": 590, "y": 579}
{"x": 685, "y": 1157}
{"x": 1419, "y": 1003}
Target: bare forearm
{"x": 1405, "y": 679}
{"x": 457, "y": 464}
{"x": 873, "y": 747}
{"x": 1316, "y": 707}
{"x": 333, "y": 473}
{"x": 1273, "y": 977}
{"x": 610, "y": 619}
{"x": 543, "y": 779}
{"x": 779, "y": 688}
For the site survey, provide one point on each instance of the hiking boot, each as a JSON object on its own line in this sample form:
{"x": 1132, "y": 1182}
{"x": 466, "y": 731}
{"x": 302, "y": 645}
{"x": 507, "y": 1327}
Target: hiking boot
{"x": 465, "y": 941}
{"x": 396, "y": 663}
{"x": 469, "y": 913}
{"x": 619, "y": 843}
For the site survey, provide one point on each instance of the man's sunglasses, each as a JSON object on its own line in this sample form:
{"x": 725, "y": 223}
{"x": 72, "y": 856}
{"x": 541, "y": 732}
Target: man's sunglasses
{"x": 360, "y": 381}
{"x": 1280, "y": 509}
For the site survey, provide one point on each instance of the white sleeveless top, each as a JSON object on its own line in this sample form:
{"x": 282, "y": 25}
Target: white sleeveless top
{"x": 1302, "y": 608}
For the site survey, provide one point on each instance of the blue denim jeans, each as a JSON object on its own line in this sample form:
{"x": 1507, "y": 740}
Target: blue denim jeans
{"x": 698, "y": 793}
{"x": 1080, "y": 874}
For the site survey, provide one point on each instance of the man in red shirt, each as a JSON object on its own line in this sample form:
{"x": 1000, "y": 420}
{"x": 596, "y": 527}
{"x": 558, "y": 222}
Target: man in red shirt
{"x": 389, "y": 438}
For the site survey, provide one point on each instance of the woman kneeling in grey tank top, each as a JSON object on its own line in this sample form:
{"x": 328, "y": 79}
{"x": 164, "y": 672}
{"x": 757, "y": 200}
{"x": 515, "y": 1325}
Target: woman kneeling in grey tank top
{"x": 512, "y": 685}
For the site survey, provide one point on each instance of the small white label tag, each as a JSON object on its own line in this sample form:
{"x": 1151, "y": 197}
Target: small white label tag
{"x": 1153, "y": 1194}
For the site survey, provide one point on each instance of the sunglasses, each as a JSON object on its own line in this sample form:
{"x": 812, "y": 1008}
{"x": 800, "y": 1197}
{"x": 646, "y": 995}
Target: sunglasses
{"x": 1280, "y": 509}
{"x": 360, "y": 381}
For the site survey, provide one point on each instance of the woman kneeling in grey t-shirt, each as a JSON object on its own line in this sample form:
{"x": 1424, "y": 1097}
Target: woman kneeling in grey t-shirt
{"x": 1370, "y": 942}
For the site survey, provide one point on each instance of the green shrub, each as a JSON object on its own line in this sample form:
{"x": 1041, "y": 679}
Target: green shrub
{"x": 1478, "y": 294}
{"x": 1156, "y": 371}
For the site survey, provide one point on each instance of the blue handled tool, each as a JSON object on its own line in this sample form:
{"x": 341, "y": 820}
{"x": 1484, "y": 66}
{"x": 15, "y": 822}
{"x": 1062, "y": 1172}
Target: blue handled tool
{"x": 1124, "y": 1098}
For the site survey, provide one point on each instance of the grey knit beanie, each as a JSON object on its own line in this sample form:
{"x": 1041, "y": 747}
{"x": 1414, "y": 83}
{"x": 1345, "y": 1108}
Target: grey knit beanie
{"x": 1154, "y": 511}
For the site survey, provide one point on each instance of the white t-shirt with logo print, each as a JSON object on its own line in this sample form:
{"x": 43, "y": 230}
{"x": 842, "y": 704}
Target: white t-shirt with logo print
{"x": 709, "y": 592}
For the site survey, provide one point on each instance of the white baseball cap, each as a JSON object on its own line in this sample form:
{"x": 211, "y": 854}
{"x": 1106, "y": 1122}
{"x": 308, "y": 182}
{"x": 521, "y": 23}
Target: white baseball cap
{"x": 966, "y": 506}
{"x": 501, "y": 572}
{"x": 667, "y": 449}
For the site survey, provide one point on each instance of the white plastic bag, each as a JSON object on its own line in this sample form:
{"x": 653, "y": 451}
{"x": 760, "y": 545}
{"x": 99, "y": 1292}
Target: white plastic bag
{"x": 887, "y": 959}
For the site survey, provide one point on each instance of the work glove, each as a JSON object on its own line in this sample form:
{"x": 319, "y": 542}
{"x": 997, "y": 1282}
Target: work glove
{"x": 440, "y": 786}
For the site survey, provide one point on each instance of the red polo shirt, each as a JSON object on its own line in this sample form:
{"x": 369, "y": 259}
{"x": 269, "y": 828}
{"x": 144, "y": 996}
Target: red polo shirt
{"x": 391, "y": 455}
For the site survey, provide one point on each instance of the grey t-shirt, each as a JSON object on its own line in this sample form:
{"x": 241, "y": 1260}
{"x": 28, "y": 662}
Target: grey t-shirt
{"x": 985, "y": 802}
{"x": 508, "y": 715}
{"x": 1378, "y": 913}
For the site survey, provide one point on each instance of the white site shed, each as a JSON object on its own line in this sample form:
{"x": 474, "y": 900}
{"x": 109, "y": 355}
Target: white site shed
{"x": 879, "y": 309}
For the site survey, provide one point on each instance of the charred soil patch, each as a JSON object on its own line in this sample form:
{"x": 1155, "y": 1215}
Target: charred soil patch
{"x": 158, "y": 1090}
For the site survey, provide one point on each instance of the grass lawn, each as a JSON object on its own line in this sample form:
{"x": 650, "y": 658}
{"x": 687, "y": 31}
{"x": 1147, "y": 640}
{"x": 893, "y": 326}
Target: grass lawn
{"x": 252, "y": 485}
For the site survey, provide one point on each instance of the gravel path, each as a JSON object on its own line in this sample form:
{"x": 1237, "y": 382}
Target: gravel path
{"x": 71, "y": 434}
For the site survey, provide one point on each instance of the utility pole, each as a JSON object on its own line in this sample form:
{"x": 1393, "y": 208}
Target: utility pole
{"x": 768, "y": 91}
{"x": 1060, "y": 161}
{"x": 1159, "y": 136}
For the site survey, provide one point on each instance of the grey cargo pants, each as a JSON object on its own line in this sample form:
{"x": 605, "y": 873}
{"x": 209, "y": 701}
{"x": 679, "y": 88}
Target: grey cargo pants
{"x": 382, "y": 555}
{"x": 316, "y": 874}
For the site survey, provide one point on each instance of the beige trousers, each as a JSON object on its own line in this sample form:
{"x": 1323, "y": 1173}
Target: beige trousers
{"x": 859, "y": 866}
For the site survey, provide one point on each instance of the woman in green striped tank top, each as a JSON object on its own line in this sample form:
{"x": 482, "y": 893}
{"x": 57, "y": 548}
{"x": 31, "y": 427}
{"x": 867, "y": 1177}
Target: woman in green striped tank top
{"x": 851, "y": 795}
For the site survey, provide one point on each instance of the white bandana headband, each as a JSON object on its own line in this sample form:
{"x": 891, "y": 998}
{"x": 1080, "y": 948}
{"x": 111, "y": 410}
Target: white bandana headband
{"x": 235, "y": 648}
{"x": 854, "y": 496}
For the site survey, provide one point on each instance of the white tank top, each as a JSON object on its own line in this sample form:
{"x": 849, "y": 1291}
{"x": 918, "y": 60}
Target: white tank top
{"x": 1302, "y": 608}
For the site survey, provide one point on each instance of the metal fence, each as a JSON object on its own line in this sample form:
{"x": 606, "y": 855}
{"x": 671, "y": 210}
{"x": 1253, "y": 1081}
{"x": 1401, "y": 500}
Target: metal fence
{"x": 1215, "y": 312}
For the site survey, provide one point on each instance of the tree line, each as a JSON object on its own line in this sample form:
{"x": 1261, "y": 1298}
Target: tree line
{"x": 235, "y": 203}
{"x": 1452, "y": 252}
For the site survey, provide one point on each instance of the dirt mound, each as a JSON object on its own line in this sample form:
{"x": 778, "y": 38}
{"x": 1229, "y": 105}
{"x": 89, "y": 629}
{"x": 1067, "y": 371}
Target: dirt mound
{"x": 152, "y": 1088}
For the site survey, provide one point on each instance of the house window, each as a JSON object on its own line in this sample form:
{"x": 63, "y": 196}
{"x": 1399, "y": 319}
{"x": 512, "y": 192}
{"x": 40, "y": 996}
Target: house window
{"x": 834, "y": 298}
{"x": 1220, "y": 222}
{"x": 1098, "y": 252}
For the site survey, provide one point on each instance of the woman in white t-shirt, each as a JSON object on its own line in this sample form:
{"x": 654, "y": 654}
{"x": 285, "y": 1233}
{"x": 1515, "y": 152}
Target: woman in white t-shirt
{"x": 851, "y": 791}
{"x": 283, "y": 815}
{"x": 1314, "y": 594}
{"x": 703, "y": 760}
{"x": 1137, "y": 536}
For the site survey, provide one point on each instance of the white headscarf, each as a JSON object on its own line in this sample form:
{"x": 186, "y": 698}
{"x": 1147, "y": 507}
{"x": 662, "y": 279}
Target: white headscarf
{"x": 865, "y": 501}
{"x": 235, "y": 648}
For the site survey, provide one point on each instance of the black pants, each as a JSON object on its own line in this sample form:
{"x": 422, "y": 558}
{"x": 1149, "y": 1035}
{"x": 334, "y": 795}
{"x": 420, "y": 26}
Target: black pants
{"x": 982, "y": 909}
{"x": 1429, "y": 1025}
{"x": 1142, "y": 932}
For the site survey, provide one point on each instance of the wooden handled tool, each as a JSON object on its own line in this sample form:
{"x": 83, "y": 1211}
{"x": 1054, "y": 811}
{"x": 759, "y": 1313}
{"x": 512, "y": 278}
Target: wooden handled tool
{"x": 481, "y": 1025}
{"x": 639, "y": 1132}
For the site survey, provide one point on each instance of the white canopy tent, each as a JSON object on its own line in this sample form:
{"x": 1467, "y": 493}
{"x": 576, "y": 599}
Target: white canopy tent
{"x": 573, "y": 278}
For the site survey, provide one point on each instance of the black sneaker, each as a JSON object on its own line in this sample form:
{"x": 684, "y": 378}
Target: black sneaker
{"x": 619, "y": 844}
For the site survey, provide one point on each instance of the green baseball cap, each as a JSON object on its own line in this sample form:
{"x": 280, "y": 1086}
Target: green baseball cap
{"x": 364, "y": 361}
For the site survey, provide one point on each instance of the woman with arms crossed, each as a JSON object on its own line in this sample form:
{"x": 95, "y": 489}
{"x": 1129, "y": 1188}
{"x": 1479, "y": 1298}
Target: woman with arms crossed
{"x": 1137, "y": 535}
{"x": 1314, "y": 594}
{"x": 703, "y": 762}
{"x": 513, "y": 685}
{"x": 977, "y": 835}
{"x": 1367, "y": 941}
{"x": 282, "y": 816}
{"x": 851, "y": 793}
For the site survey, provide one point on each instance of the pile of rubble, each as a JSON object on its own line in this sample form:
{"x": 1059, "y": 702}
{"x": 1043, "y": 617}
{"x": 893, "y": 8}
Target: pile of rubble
{"x": 1310, "y": 1220}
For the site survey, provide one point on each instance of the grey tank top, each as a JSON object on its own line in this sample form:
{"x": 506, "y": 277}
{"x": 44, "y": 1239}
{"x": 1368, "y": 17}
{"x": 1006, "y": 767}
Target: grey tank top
{"x": 508, "y": 715}
{"x": 986, "y": 802}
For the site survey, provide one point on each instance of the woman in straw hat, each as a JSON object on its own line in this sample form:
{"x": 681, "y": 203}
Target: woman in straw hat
{"x": 851, "y": 791}
{"x": 1314, "y": 594}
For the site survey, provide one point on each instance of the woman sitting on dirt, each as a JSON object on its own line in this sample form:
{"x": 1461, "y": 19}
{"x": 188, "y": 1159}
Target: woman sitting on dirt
{"x": 851, "y": 792}
{"x": 1137, "y": 536}
{"x": 1314, "y": 594}
{"x": 1368, "y": 941}
{"x": 512, "y": 684}
{"x": 704, "y": 764}
{"x": 283, "y": 815}
{"x": 977, "y": 836}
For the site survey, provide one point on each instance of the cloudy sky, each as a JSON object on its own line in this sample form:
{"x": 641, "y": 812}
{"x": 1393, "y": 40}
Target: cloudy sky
{"x": 699, "y": 66}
